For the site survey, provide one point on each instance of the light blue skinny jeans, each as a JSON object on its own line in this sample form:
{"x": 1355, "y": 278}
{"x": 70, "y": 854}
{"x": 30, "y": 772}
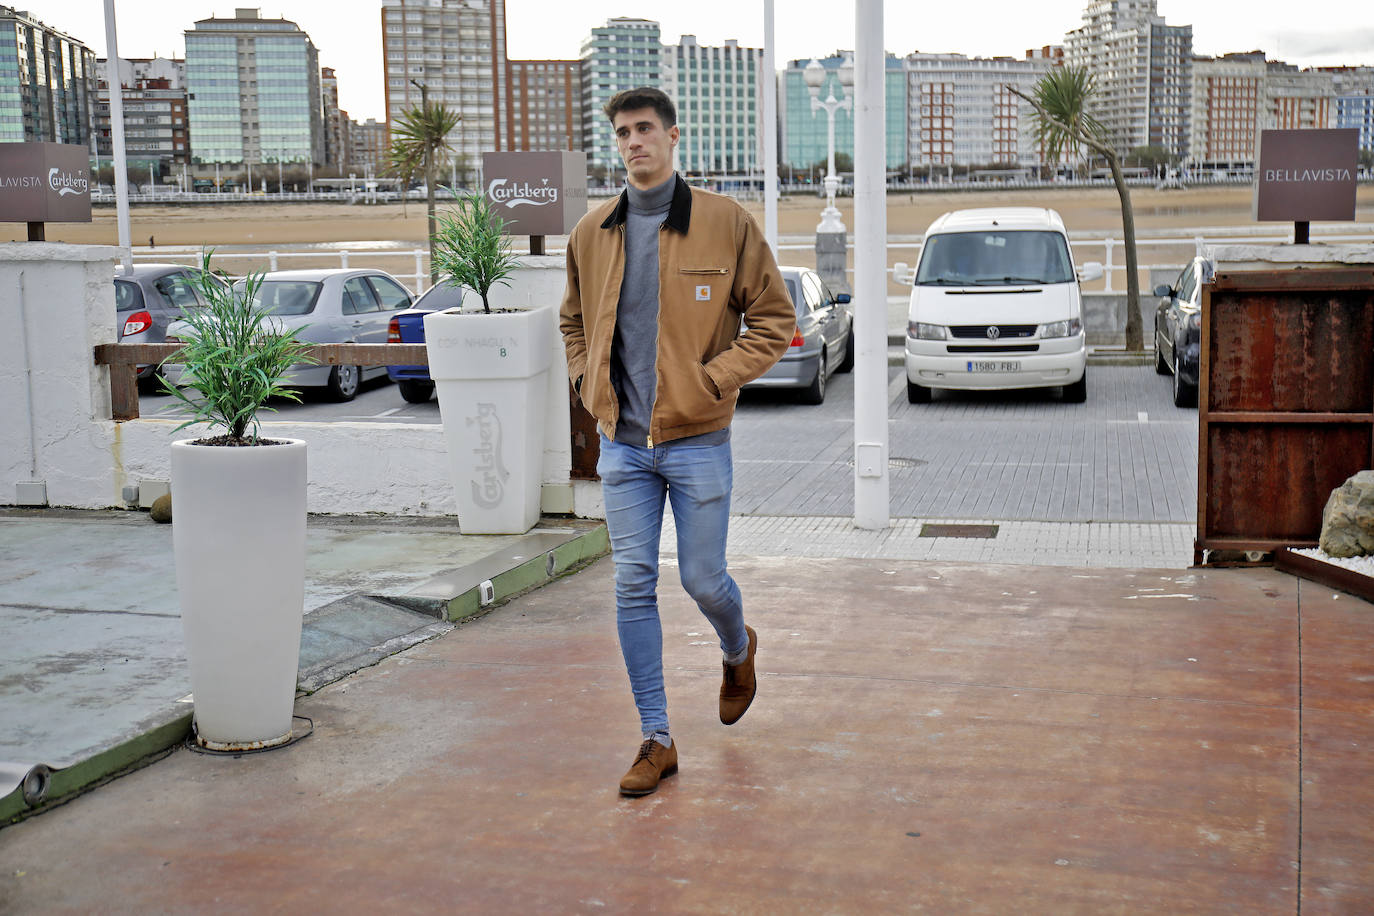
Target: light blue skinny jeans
{"x": 697, "y": 481}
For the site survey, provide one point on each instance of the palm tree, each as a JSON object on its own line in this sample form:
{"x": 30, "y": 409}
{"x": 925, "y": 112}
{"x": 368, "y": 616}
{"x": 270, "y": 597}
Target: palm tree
{"x": 420, "y": 141}
{"x": 1064, "y": 125}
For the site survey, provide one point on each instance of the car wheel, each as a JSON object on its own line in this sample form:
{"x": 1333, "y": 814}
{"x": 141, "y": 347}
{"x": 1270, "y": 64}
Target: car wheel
{"x": 1161, "y": 367}
{"x": 815, "y": 394}
{"x": 343, "y": 383}
{"x": 1185, "y": 395}
{"x": 847, "y": 363}
{"x": 415, "y": 392}
{"x": 1077, "y": 393}
{"x": 917, "y": 394}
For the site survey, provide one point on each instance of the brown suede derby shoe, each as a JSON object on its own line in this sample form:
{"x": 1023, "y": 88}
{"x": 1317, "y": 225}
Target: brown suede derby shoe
{"x": 653, "y": 763}
{"x": 739, "y": 685}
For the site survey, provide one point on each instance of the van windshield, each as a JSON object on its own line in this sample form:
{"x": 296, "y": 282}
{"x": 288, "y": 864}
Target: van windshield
{"x": 994, "y": 258}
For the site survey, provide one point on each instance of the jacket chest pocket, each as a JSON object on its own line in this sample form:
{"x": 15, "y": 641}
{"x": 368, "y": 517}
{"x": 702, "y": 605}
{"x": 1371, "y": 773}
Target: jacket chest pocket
{"x": 705, "y": 284}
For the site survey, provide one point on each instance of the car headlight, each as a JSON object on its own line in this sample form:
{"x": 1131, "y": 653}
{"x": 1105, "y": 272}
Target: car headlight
{"x": 1070, "y": 328}
{"x": 1194, "y": 321}
{"x": 922, "y": 331}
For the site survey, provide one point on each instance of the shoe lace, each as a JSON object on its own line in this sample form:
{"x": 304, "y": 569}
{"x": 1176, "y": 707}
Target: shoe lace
{"x": 646, "y": 750}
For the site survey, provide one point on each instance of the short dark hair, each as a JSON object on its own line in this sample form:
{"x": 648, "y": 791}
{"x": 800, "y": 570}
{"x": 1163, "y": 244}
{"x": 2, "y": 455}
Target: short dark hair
{"x": 643, "y": 97}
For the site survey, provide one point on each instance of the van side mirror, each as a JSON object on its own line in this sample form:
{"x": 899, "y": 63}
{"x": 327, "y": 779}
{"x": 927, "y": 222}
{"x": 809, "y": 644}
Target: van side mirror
{"x": 1163, "y": 290}
{"x": 902, "y": 274}
{"x": 1092, "y": 270}
{"x": 842, "y": 298}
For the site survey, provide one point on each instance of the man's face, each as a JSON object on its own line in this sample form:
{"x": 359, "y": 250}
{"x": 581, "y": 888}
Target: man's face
{"x": 645, "y": 145}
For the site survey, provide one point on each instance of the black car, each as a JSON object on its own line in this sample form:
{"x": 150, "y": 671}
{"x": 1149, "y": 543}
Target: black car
{"x": 1178, "y": 330}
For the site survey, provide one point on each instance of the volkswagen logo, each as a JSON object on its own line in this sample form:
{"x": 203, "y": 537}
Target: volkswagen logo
{"x": 994, "y": 332}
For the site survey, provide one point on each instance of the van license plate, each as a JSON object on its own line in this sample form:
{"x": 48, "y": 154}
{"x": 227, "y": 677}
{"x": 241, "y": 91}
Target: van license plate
{"x": 991, "y": 365}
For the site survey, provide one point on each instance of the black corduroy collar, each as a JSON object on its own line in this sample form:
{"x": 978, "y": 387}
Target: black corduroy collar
{"x": 679, "y": 212}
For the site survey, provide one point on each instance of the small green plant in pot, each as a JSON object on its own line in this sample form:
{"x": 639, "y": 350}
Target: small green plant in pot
{"x": 470, "y": 250}
{"x": 238, "y": 522}
{"x": 234, "y": 359}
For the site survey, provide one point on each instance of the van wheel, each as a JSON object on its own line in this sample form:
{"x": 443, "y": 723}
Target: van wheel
{"x": 1077, "y": 393}
{"x": 917, "y": 394}
{"x": 815, "y": 394}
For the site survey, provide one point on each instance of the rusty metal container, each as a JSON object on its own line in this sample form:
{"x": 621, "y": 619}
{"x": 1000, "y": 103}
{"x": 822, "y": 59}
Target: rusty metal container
{"x": 1286, "y": 394}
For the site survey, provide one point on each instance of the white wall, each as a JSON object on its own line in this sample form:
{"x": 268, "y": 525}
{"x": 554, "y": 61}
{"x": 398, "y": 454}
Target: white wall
{"x": 67, "y": 307}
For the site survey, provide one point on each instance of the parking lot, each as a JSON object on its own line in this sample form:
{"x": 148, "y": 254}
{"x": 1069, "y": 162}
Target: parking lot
{"x": 1127, "y": 455}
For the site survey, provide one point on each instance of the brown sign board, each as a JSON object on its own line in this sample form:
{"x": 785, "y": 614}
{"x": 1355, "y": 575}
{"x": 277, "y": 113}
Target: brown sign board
{"x": 1306, "y": 175}
{"x": 45, "y": 183}
{"x": 537, "y": 193}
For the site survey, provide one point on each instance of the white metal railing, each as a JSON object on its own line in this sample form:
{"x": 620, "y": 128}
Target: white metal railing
{"x": 417, "y": 259}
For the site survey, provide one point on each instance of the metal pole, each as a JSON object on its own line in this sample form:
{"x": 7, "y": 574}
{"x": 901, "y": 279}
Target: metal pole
{"x": 871, "y": 494}
{"x": 121, "y": 178}
{"x": 770, "y": 131}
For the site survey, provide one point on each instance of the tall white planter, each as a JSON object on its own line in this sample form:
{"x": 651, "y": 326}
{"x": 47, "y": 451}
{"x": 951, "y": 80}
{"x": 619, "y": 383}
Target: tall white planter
{"x": 491, "y": 374}
{"x": 238, "y": 533}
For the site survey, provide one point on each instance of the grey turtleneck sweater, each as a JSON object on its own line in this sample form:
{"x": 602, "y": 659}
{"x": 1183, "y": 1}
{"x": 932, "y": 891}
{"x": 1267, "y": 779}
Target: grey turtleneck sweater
{"x": 634, "y": 352}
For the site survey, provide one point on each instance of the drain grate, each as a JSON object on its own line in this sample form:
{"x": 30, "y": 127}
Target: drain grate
{"x": 958, "y": 531}
{"x": 899, "y": 464}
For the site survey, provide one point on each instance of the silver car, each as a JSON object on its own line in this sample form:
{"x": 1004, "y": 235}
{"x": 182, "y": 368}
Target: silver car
{"x": 339, "y": 305}
{"x": 149, "y": 298}
{"x": 823, "y": 342}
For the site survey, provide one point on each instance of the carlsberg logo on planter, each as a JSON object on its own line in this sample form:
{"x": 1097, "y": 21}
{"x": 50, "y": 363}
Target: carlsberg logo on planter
{"x": 490, "y": 486}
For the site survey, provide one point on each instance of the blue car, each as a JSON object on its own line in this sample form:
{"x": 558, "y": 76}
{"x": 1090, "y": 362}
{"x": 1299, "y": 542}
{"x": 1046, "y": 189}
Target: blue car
{"x": 409, "y": 327}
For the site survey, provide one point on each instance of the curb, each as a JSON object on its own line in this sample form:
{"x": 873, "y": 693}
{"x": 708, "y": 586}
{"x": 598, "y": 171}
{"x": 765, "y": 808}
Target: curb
{"x": 512, "y": 576}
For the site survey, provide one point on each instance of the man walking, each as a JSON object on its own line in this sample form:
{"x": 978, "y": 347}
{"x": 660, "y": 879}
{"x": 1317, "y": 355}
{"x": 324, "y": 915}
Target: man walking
{"x": 660, "y": 280}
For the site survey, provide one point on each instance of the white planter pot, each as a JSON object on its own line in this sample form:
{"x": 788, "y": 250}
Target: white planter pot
{"x": 491, "y": 374}
{"x": 238, "y": 534}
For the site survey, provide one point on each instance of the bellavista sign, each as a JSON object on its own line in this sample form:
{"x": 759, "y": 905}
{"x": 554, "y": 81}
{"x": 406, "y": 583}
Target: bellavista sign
{"x": 539, "y": 193}
{"x": 44, "y": 183}
{"x": 1306, "y": 175}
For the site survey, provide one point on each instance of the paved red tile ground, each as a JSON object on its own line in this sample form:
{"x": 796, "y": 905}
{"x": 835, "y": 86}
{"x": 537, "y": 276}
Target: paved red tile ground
{"x": 939, "y": 738}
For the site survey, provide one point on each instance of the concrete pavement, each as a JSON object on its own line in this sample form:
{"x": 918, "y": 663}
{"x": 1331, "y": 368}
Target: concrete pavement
{"x": 929, "y": 736}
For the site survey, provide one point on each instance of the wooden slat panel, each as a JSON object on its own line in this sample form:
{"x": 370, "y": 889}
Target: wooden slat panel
{"x": 1333, "y": 278}
{"x": 326, "y": 354}
{"x": 1272, "y": 481}
{"x": 1263, "y": 416}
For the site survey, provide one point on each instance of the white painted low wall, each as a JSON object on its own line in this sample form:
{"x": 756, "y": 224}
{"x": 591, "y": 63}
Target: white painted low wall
{"x": 55, "y": 406}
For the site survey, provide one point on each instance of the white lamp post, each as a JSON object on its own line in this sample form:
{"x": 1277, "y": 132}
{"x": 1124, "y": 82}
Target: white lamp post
{"x": 815, "y": 74}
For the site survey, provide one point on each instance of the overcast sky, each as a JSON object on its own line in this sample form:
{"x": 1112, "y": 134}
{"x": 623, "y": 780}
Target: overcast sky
{"x": 1315, "y": 33}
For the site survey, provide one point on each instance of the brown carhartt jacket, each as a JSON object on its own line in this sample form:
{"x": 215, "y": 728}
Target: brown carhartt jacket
{"x": 715, "y": 271}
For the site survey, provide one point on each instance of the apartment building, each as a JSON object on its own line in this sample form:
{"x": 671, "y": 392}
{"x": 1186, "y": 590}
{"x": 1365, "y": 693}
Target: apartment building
{"x": 1228, "y": 96}
{"x": 1296, "y": 99}
{"x": 47, "y": 83}
{"x": 719, "y": 95}
{"x": 961, "y": 111}
{"x": 804, "y": 141}
{"x": 1354, "y": 88}
{"x": 456, "y": 51}
{"x": 622, "y": 54}
{"x": 253, "y": 92}
{"x": 337, "y": 146}
{"x": 156, "y": 130}
{"x": 368, "y": 143}
{"x": 544, "y": 98}
{"x": 1143, "y": 72}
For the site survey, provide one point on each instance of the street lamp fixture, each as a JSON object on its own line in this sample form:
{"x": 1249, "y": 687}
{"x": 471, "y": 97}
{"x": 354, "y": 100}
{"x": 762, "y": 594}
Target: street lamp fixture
{"x": 815, "y": 76}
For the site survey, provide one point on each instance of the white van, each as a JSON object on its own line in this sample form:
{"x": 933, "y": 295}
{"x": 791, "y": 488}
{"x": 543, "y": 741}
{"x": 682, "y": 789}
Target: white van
{"x": 996, "y": 305}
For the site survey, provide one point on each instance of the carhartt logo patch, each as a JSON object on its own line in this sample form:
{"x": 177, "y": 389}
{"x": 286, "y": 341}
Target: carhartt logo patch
{"x": 703, "y": 293}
